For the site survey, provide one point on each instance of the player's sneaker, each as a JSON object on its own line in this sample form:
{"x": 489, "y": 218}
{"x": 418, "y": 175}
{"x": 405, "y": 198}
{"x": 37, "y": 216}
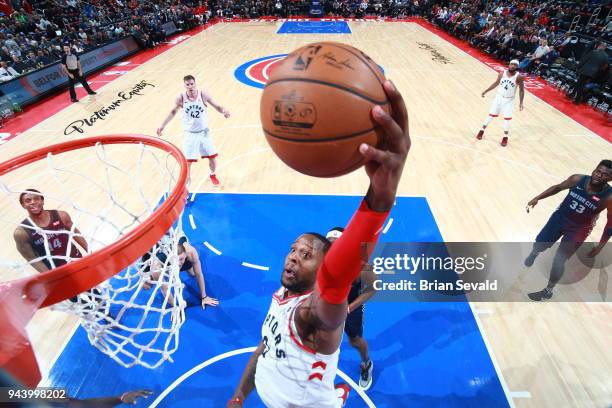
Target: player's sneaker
{"x": 480, "y": 134}
{"x": 342, "y": 391}
{"x": 214, "y": 180}
{"x": 504, "y": 141}
{"x": 541, "y": 295}
{"x": 365, "y": 380}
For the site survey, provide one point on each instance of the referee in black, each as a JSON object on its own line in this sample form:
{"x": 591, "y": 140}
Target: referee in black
{"x": 71, "y": 65}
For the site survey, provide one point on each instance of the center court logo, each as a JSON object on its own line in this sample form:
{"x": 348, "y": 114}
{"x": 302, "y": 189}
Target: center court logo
{"x": 256, "y": 72}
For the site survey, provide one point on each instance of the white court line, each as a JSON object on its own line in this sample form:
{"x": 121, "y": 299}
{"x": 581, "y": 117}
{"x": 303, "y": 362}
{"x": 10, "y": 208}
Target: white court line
{"x": 250, "y": 265}
{"x": 212, "y": 248}
{"x": 192, "y": 222}
{"x": 498, "y": 371}
{"x": 520, "y": 394}
{"x": 245, "y": 350}
{"x": 384, "y": 231}
{"x": 483, "y": 311}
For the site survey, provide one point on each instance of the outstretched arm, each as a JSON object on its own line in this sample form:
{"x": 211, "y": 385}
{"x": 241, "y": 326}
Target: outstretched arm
{"x": 607, "y": 232}
{"x": 247, "y": 381}
{"x": 345, "y": 260}
{"x": 493, "y": 85}
{"x": 178, "y": 104}
{"x": 207, "y": 98}
{"x": 130, "y": 397}
{"x": 550, "y": 191}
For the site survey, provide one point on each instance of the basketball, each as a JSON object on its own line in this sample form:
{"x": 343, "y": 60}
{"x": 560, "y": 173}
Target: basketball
{"x": 316, "y": 108}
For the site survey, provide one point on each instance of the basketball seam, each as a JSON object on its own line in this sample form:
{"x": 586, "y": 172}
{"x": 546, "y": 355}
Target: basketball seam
{"x": 329, "y": 139}
{"x": 343, "y": 88}
{"x": 359, "y": 57}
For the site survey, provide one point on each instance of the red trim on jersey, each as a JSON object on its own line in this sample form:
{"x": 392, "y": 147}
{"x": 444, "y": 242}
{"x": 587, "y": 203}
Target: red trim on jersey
{"x": 494, "y": 116}
{"x": 192, "y": 160}
{"x": 210, "y": 157}
{"x": 319, "y": 364}
{"x": 282, "y": 301}
{"x": 507, "y": 118}
{"x": 294, "y": 338}
{"x": 315, "y": 376}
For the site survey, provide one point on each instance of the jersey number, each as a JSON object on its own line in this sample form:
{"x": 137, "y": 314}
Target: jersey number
{"x": 195, "y": 114}
{"x": 56, "y": 243}
{"x": 577, "y": 207}
{"x": 279, "y": 353}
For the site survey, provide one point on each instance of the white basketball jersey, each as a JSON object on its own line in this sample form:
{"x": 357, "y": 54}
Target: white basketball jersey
{"x": 507, "y": 85}
{"x": 288, "y": 373}
{"x": 195, "y": 115}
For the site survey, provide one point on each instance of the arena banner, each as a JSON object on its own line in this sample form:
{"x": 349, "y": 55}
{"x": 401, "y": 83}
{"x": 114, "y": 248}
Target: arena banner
{"x": 28, "y": 88}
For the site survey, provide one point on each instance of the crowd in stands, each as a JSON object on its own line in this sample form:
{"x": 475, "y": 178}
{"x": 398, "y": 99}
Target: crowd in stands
{"x": 563, "y": 40}
{"x": 32, "y": 36}
{"x": 537, "y": 33}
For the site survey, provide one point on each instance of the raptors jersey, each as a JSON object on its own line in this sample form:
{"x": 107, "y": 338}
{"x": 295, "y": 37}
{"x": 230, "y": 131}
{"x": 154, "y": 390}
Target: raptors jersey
{"x": 195, "y": 116}
{"x": 507, "y": 85}
{"x": 288, "y": 373}
{"x": 57, "y": 242}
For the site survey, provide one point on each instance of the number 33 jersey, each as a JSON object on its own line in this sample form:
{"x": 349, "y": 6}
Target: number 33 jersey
{"x": 581, "y": 208}
{"x": 288, "y": 373}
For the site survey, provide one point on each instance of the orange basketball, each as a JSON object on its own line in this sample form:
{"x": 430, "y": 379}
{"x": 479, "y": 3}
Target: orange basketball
{"x": 316, "y": 108}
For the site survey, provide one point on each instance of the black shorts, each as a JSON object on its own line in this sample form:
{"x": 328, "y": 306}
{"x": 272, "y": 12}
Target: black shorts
{"x": 557, "y": 227}
{"x": 353, "y": 327}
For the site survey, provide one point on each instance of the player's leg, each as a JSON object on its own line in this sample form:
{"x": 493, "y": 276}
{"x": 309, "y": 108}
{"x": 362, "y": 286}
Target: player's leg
{"x": 208, "y": 151}
{"x": 191, "y": 152}
{"x": 353, "y": 328}
{"x": 493, "y": 113}
{"x": 507, "y": 111}
{"x": 571, "y": 241}
{"x": 549, "y": 234}
{"x": 71, "y": 82}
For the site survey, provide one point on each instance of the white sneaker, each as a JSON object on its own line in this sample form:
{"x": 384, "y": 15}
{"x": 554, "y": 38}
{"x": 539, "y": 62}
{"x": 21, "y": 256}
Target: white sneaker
{"x": 365, "y": 379}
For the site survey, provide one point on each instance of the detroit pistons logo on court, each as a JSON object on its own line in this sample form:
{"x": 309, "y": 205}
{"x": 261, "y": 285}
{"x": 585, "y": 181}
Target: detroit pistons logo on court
{"x": 256, "y": 72}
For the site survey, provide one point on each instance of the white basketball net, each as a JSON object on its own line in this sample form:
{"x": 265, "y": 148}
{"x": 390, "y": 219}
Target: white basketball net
{"x": 135, "y": 316}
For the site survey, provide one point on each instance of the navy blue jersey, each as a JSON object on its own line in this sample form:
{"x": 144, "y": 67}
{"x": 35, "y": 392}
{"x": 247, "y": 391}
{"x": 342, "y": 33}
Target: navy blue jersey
{"x": 355, "y": 290}
{"x": 580, "y": 208}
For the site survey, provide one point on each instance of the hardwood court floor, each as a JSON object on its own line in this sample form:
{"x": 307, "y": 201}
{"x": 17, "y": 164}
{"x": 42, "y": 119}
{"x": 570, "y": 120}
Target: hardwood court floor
{"x": 551, "y": 354}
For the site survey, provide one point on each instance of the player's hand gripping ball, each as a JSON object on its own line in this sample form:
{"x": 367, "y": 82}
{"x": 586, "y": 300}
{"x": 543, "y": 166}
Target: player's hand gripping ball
{"x": 316, "y": 108}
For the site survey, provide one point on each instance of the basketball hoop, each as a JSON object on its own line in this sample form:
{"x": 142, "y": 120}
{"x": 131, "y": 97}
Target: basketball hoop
{"x": 140, "y": 234}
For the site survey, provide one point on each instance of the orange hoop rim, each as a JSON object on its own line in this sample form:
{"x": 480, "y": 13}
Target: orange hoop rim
{"x": 64, "y": 282}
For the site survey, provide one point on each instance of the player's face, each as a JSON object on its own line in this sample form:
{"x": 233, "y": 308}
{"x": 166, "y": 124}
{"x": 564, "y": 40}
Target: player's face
{"x": 601, "y": 175}
{"x": 33, "y": 203}
{"x": 301, "y": 264}
{"x": 190, "y": 85}
{"x": 181, "y": 258}
{"x": 512, "y": 67}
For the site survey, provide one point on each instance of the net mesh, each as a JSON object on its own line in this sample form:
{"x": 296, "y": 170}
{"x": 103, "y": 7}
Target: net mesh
{"x": 101, "y": 193}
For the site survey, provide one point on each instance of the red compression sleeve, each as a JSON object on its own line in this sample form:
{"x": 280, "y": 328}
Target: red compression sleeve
{"x": 345, "y": 259}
